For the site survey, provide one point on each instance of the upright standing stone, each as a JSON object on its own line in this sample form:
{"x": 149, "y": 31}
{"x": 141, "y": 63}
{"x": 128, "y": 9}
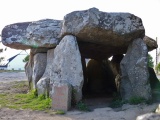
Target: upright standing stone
{"x": 40, "y": 60}
{"x": 43, "y": 85}
{"x": 115, "y": 64}
{"x": 61, "y": 97}
{"x": 115, "y": 67}
{"x": 134, "y": 82}
{"x": 84, "y": 67}
{"x": 67, "y": 66}
{"x": 29, "y": 69}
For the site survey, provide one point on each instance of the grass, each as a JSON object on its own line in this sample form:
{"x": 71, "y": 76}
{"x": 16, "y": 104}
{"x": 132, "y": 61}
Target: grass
{"x": 60, "y": 112}
{"x": 19, "y": 84}
{"x": 82, "y": 106}
{"x": 136, "y": 100}
{"x": 24, "y": 101}
{"x": 118, "y": 102}
{"x": 18, "y": 98}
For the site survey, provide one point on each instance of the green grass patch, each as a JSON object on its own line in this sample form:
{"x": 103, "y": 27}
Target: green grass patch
{"x": 25, "y": 101}
{"x": 82, "y": 106}
{"x": 60, "y": 112}
{"x": 132, "y": 101}
{"x": 117, "y": 103}
{"x": 136, "y": 100}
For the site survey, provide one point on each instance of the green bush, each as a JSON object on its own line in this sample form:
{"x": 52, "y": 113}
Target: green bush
{"x": 26, "y": 59}
{"x": 158, "y": 67}
{"x": 150, "y": 61}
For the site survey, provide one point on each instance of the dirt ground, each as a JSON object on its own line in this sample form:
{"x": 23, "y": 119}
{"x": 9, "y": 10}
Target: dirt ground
{"x": 101, "y": 112}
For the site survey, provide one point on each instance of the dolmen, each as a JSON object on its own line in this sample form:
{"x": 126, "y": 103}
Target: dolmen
{"x": 59, "y": 49}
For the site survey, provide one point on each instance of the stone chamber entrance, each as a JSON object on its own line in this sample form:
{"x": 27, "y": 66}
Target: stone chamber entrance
{"x": 99, "y": 83}
{"x": 101, "y": 76}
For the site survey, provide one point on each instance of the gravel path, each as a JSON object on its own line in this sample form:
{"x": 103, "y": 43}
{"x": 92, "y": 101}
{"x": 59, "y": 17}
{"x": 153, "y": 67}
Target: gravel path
{"x": 12, "y": 76}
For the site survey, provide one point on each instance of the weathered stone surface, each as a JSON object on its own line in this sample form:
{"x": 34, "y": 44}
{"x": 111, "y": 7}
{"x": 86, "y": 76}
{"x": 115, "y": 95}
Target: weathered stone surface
{"x": 151, "y": 43}
{"x": 13, "y": 35}
{"x": 118, "y": 82}
{"x": 149, "y": 116}
{"x": 134, "y": 81}
{"x": 115, "y": 67}
{"x": 29, "y": 69}
{"x": 48, "y": 70}
{"x": 43, "y": 85}
{"x": 115, "y": 64}
{"x": 95, "y": 29}
{"x": 67, "y": 65}
{"x": 78, "y": 22}
{"x": 42, "y": 33}
{"x": 158, "y": 109}
{"x": 39, "y": 50}
{"x": 61, "y": 96}
{"x": 40, "y": 60}
{"x": 84, "y": 89}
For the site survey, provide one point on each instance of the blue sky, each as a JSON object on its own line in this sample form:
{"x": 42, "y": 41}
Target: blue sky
{"x": 13, "y": 11}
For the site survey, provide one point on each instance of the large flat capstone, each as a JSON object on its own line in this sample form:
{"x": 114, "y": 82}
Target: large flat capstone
{"x": 102, "y": 34}
{"x": 42, "y": 33}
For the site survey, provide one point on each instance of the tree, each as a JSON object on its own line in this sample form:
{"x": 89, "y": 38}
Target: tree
{"x": 158, "y": 67}
{"x": 26, "y": 59}
{"x": 150, "y": 61}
